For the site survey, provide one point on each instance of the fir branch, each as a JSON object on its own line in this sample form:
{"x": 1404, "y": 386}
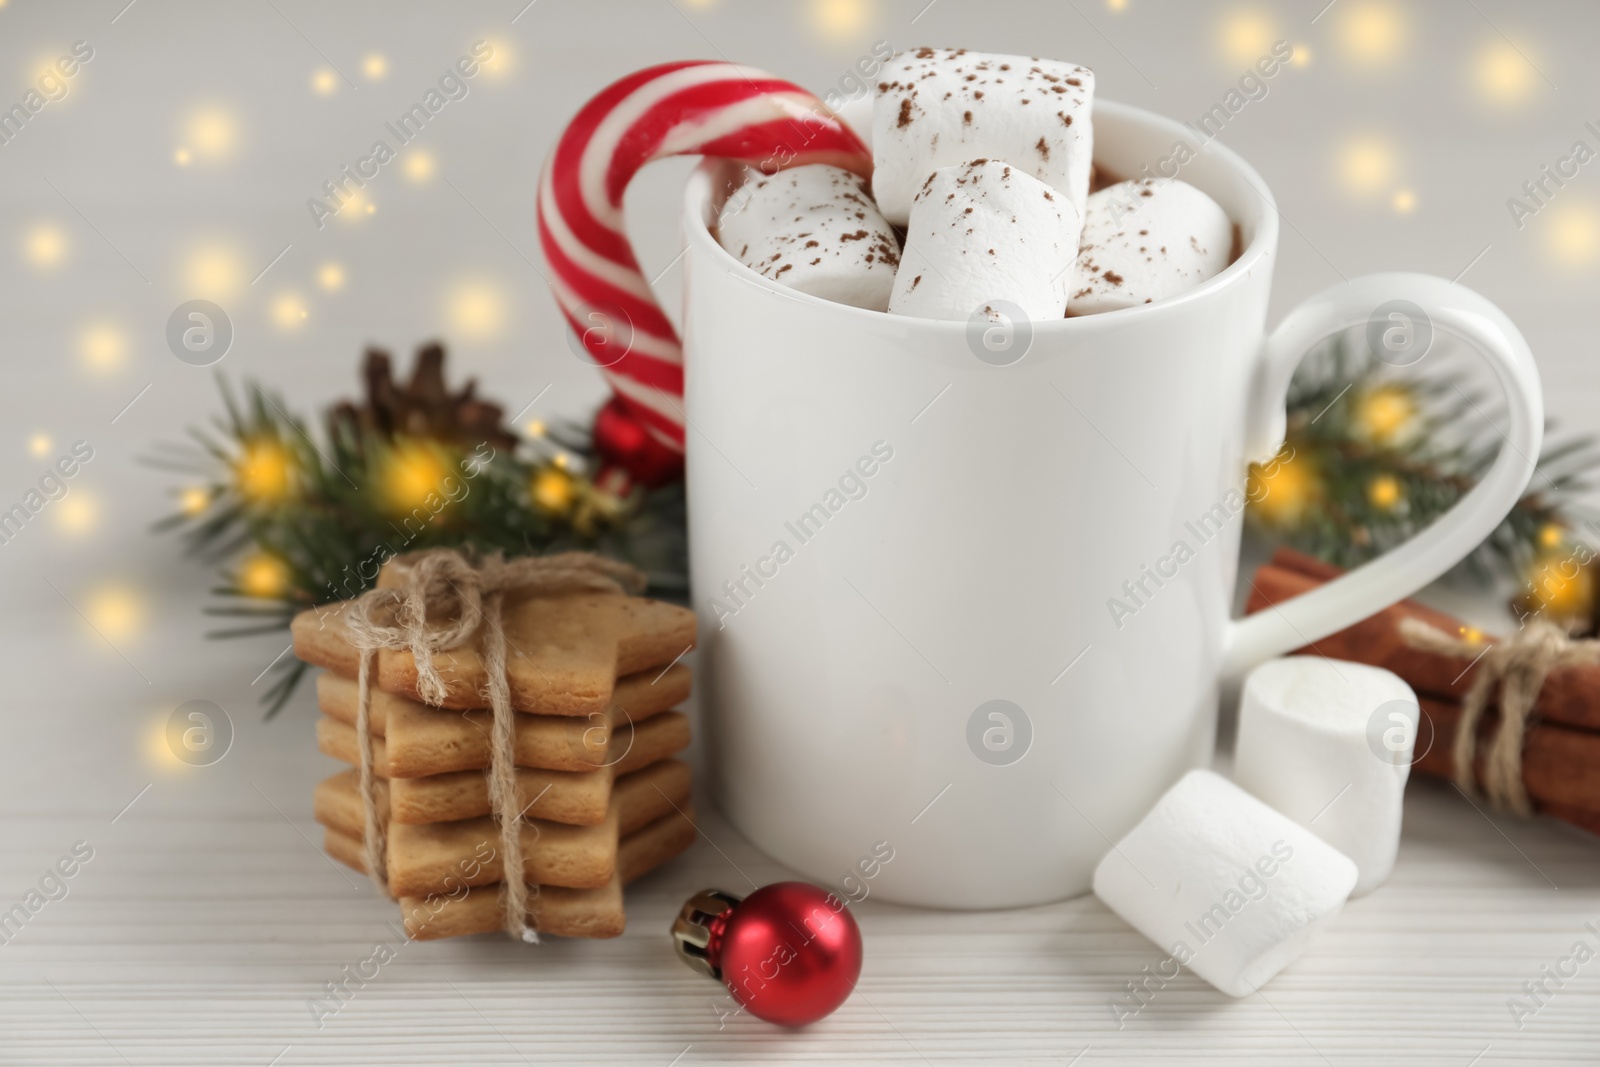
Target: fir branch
{"x": 1425, "y": 466}
{"x": 336, "y": 513}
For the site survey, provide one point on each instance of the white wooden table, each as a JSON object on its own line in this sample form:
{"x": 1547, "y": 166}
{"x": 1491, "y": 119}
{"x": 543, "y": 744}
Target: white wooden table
{"x": 208, "y": 917}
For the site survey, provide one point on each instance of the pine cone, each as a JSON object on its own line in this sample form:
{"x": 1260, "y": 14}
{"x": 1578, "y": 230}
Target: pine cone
{"x": 423, "y": 408}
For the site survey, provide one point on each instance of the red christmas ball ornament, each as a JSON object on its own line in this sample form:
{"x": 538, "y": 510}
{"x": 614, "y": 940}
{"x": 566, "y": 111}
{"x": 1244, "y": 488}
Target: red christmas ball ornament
{"x": 624, "y": 444}
{"x": 789, "y": 952}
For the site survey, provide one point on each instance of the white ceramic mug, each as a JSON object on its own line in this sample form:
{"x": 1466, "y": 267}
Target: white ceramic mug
{"x": 954, "y": 530}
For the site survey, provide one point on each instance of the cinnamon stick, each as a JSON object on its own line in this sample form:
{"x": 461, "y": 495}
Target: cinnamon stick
{"x": 1560, "y": 765}
{"x": 1583, "y": 820}
{"x": 1570, "y": 697}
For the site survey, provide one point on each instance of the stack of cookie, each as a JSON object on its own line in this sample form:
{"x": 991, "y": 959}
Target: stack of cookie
{"x": 593, "y": 677}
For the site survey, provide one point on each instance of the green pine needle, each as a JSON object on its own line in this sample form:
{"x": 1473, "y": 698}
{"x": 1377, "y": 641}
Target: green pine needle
{"x": 341, "y": 516}
{"x": 1347, "y": 521}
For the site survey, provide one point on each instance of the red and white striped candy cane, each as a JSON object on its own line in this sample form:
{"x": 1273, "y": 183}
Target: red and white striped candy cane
{"x": 699, "y": 107}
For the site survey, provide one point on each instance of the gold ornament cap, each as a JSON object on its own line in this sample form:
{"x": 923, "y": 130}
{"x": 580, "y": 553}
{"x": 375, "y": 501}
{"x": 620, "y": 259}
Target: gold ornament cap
{"x": 698, "y": 925}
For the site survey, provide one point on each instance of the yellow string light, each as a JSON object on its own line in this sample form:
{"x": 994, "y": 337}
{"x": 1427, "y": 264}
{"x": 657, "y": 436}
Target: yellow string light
{"x": 1384, "y": 491}
{"x": 76, "y": 513}
{"x": 39, "y": 444}
{"x": 324, "y": 82}
{"x": 476, "y": 309}
{"x": 158, "y": 752}
{"x": 45, "y": 246}
{"x": 375, "y": 67}
{"x": 1371, "y": 33}
{"x": 115, "y": 612}
{"x": 413, "y": 474}
{"x": 213, "y": 271}
{"x": 355, "y": 207}
{"x": 499, "y": 63}
{"x": 103, "y": 347}
{"x": 1284, "y": 491}
{"x": 263, "y": 575}
{"x": 194, "y": 500}
{"x": 839, "y": 18}
{"x": 1551, "y": 535}
{"x": 264, "y": 472}
{"x": 1571, "y": 231}
{"x": 1561, "y": 593}
{"x": 553, "y": 489}
{"x": 331, "y": 277}
{"x": 1383, "y": 415}
{"x": 1246, "y": 36}
{"x": 1366, "y": 165}
{"x": 211, "y": 133}
{"x": 1503, "y": 75}
{"x": 289, "y": 312}
{"x": 419, "y": 165}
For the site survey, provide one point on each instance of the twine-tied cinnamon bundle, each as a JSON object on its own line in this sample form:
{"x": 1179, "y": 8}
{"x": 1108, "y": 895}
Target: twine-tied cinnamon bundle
{"x": 1519, "y": 666}
{"x": 445, "y": 598}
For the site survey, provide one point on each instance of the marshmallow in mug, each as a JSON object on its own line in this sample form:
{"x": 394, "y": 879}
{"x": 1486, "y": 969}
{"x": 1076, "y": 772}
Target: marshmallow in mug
{"x": 1329, "y": 744}
{"x": 982, "y": 232}
{"x": 1147, "y": 240}
{"x": 938, "y": 106}
{"x": 814, "y": 229}
{"x": 1231, "y": 888}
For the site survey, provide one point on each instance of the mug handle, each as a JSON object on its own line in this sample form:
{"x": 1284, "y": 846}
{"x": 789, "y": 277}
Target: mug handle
{"x": 1444, "y": 306}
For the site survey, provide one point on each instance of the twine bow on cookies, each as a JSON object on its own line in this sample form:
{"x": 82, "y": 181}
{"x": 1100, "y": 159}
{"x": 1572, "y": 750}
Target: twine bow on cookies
{"x": 444, "y": 600}
{"x": 1519, "y": 665}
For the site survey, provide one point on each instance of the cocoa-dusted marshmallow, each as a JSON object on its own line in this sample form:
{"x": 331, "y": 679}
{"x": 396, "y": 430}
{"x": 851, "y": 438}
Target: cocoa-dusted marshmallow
{"x": 939, "y": 106}
{"x": 984, "y": 232}
{"x": 814, "y": 229}
{"x": 1147, "y": 240}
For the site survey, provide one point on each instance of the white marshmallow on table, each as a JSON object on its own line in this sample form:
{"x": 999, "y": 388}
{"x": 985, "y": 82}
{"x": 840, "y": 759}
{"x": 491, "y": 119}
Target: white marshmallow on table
{"x": 1147, "y": 240}
{"x": 1329, "y": 744}
{"x": 814, "y": 229}
{"x": 939, "y": 106}
{"x": 1230, "y": 888}
{"x": 982, "y": 232}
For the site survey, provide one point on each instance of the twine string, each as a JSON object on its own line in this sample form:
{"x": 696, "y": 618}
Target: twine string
{"x": 444, "y": 600}
{"x": 1519, "y": 666}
